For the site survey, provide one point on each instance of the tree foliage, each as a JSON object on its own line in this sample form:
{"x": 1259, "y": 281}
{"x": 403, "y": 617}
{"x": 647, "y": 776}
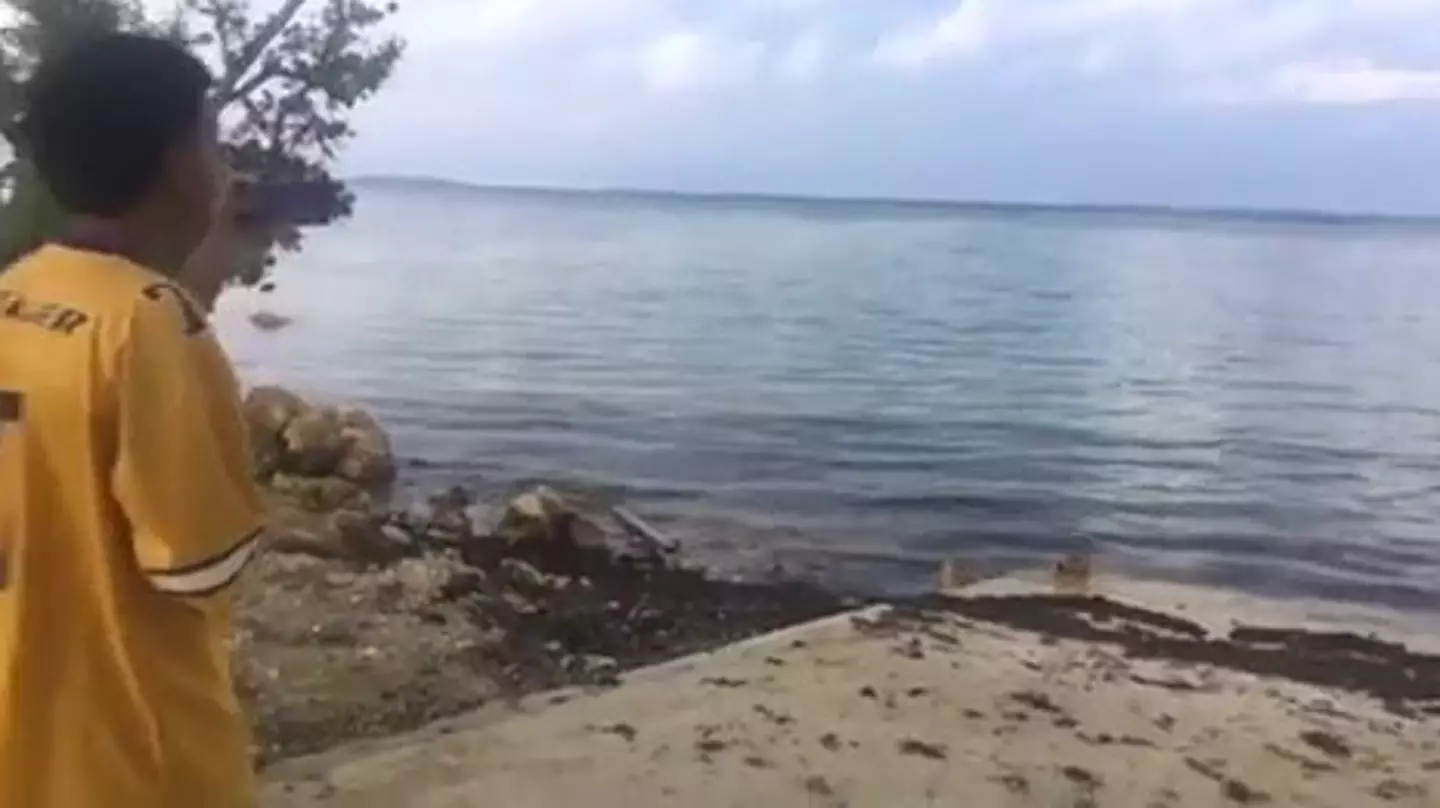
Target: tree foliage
{"x": 287, "y": 83}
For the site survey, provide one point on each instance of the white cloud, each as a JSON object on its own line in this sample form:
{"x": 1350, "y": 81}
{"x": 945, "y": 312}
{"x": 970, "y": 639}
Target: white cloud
{"x": 1176, "y": 47}
{"x": 687, "y": 60}
{"x": 964, "y": 32}
{"x": 504, "y": 24}
{"x": 750, "y": 8}
{"x": 805, "y": 59}
{"x": 972, "y": 28}
{"x": 1353, "y": 81}
{"x": 1098, "y": 58}
{"x": 1187, "y": 42}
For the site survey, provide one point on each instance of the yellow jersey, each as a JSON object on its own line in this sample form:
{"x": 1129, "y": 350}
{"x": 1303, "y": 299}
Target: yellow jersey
{"x": 126, "y": 510}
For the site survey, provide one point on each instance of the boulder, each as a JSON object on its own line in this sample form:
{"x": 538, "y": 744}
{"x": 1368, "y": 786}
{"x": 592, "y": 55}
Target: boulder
{"x": 366, "y": 538}
{"x": 314, "y": 442}
{"x": 528, "y": 580}
{"x": 319, "y": 494}
{"x": 425, "y": 580}
{"x": 454, "y": 499}
{"x": 366, "y": 458}
{"x": 289, "y": 436}
{"x": 353, "y": 536}
{"x": 268, "y": 411}
{"x": 267, "y": 455}
{"x": 447, "y": 517}
{"x": 298, "y": 541}
{"x": 543, "y": 529}
{"x": 543, "y": 516}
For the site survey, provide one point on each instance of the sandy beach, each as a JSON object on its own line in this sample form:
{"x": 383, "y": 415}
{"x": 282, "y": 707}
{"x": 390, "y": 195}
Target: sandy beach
{"x": 991, "y": 697}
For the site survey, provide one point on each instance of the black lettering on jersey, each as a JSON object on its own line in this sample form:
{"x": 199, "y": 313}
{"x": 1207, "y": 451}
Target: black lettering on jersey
{"x": 12, "y": 411}
{"x": 53, "y": 317}
{"x": 195, "y": 322}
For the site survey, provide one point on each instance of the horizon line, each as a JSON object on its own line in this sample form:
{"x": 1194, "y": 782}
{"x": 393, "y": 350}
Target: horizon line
{"x": 1199, "y": 211}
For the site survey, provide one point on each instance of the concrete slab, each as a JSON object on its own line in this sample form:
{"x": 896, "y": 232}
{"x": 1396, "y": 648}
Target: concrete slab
{"x": 945, "y": 711}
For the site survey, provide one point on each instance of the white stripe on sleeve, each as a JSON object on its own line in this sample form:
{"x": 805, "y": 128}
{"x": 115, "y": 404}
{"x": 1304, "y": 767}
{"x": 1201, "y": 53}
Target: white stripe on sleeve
{"x": 210, "y": 576}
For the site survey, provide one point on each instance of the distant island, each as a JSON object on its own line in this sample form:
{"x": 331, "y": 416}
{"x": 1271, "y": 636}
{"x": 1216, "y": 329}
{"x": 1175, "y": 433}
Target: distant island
{"x": 416, "y": 184}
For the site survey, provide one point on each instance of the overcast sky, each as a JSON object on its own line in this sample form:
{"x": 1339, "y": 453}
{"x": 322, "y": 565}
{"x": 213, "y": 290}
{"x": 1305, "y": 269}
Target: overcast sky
{"x": 1309, "y": 103}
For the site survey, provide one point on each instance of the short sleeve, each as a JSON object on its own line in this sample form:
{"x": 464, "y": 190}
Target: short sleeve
{"x": 182, "y": 470}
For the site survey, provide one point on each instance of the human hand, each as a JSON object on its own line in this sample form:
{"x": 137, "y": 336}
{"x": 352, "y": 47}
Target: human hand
{"x": 234, "y": 236}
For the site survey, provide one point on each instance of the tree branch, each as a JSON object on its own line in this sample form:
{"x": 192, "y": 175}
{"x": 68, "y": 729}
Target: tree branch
{"x": 251, "y": 51}
{"x": 222, "y": 38}
{"x": 276, "y": 130}
{"x": 255, "y": 82}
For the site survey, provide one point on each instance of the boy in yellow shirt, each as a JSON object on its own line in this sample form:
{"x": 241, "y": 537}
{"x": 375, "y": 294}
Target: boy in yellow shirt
{"x": 126, "y": 503}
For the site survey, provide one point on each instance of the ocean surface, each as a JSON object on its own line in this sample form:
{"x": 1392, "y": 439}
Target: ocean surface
{"x": 875, "y": 386}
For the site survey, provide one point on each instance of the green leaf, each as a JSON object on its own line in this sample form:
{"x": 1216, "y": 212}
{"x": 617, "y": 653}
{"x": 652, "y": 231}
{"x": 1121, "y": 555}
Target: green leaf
{"x": 289, "y": 81}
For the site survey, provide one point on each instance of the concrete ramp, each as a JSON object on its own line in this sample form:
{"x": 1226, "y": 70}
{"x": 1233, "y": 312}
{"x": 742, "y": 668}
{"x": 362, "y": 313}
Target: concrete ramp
{"x": 925, "y": 705}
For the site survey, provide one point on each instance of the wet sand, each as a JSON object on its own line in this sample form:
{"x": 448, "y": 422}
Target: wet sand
{"x": 1159, "y": 695}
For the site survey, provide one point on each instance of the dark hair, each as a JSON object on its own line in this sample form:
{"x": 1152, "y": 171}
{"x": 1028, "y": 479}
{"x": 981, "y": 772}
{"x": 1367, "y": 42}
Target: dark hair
{"x": 100, "y": 116}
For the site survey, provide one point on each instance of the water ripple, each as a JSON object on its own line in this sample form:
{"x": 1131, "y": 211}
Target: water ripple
{"x": 1258, "y": 404}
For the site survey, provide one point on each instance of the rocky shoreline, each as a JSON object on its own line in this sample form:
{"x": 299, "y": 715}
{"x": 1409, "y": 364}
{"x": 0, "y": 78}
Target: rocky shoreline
{"x": 365, "y": 619}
